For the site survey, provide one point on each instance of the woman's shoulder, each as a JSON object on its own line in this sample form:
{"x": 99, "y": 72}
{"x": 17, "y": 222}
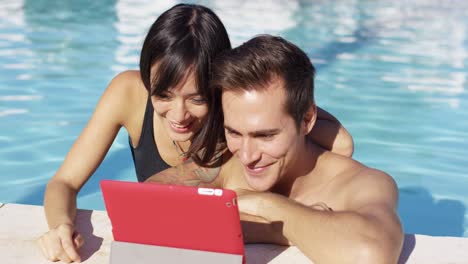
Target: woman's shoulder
{"x": 128, "y": 80}
{"x": 125, "y": 98}
{"x": 128, "y": 76}
{"x": 128, "y": 86}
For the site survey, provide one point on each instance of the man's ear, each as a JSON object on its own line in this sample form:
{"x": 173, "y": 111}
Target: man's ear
{"x": 309, "y": 119}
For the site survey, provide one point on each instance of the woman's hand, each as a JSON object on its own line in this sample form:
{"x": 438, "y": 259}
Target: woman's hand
{"x": 61, "y": 243}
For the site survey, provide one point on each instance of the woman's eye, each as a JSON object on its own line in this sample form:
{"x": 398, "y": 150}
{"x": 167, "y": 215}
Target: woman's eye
{"x": 164, "y": 97}
{"x": 198, "y": 100}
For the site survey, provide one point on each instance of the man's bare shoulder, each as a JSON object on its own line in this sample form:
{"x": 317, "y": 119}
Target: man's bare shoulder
{"x": 350, "y": 180}
{"x": 375, "y": 177}
{"x": 346, "y": 167}
{"x": 338, "y": 167}
{"x": 370, "y": 186}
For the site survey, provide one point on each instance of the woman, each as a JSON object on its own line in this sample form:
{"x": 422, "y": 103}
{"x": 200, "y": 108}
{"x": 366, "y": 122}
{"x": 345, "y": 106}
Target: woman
{"x": 162, "y": 107}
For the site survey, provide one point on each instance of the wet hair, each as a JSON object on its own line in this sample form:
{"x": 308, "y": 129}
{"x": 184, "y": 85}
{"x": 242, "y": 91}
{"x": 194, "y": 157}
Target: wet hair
{"x": 254, "y": 66}
{"x": 184, "y": 39}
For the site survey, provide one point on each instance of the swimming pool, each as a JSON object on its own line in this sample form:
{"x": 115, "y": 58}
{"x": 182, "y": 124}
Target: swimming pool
{"x": 394, "y": 74}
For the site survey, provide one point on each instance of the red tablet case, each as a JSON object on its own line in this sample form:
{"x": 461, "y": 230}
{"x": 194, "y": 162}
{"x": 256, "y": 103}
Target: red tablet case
{"x": 174, "y": 216}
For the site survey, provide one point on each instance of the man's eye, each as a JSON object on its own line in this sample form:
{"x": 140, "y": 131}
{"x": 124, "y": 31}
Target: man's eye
{"x": 231, "y": 133}
{"x": 266, "y": 136}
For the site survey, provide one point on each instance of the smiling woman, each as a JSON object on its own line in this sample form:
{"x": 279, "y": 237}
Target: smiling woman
{"x": 161, "y": 106}
{"x": 181, "y": 110}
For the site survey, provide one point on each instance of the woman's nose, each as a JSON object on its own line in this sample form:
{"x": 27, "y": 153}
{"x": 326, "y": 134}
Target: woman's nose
{"x": 180, "y": 112}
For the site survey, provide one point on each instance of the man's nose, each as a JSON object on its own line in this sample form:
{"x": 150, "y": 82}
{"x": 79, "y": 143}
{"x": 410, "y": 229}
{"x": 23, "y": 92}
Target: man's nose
{"x": 248, "y": 152}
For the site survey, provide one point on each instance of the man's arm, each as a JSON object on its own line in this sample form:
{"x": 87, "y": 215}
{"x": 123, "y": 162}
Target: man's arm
{"x": 258, "y": 230}
{"x": 331, "y": 135}
{"x": 368, "y": 231}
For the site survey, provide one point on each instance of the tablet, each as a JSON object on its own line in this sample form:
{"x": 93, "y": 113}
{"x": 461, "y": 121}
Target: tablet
{"x": 174, "y": 216}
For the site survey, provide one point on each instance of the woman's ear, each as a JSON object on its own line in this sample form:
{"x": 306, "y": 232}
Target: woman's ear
{"x": 309, "y": 119}
{"x": 153, "y": 101}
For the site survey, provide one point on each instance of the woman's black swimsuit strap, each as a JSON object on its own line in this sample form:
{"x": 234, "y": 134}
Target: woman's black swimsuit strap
{"x": 145, "y": 155}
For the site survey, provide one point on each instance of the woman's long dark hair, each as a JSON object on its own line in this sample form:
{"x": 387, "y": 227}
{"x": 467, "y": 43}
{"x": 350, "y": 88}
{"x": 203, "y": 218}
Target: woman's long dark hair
{"x": 209, "y": 145}
{"x": 184, "y": 39}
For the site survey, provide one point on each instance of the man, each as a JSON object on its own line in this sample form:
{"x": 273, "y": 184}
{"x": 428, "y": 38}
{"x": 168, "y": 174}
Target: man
{"x": 334, "y": 209}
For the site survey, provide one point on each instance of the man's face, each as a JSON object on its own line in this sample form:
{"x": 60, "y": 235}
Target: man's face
{"x": 261, "y": 134}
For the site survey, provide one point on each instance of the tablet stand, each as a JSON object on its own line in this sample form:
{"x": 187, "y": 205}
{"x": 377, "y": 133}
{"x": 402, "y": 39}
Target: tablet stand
{"x": 125, "y": 253}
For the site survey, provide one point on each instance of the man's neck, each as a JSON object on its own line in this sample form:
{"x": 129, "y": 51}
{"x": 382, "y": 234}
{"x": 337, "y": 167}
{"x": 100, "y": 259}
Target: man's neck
{"x": 305, "y": 162}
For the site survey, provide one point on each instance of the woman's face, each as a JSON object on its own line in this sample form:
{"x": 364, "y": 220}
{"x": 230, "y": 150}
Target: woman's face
{"x": 182, "y": 109}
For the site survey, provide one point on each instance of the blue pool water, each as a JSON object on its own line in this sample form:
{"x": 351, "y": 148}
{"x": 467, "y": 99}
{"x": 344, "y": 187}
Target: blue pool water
{"x": 395, "y": 74}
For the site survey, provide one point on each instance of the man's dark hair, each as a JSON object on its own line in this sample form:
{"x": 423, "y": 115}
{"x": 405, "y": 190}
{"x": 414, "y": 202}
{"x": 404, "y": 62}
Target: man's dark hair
{"x": 265, "y": 59}
{"x": 253, "y": 66}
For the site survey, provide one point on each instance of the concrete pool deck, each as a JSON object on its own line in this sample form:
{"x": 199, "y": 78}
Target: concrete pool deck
{"x": 21, "y": 225}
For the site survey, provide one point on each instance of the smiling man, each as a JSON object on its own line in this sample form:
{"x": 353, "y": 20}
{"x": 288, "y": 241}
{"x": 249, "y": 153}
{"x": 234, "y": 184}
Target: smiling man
{"x": 333, "y": 208}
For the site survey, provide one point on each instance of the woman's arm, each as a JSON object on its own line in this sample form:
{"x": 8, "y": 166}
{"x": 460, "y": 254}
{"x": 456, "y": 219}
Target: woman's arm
{"x": 331, "y": 135}
{"x": 81, "y": 161}
{"x": 189, "y": 174}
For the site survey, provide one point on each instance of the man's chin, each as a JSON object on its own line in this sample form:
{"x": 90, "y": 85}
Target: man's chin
{"x": 259, "y": 182}
{"x": 258, "y": 186}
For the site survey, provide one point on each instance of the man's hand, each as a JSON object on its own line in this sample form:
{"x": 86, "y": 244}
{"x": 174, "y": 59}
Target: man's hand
{"x": 256, "y": 203}
{"x": 256, "y": 228}
{"x": 249, "y": 202}
{"x": 61, "y": 243}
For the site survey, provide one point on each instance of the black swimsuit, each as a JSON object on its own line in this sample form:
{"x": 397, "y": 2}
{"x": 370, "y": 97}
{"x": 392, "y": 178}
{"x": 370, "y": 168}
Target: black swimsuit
{"x": 146, "y": 156}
